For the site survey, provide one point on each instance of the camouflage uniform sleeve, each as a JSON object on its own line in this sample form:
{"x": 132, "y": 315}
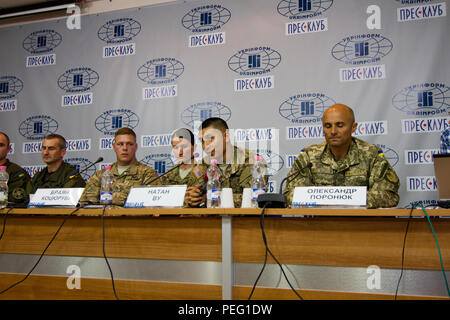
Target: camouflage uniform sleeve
{"x": 245, "y": 181}
{"x": 383, "y": 184}
{"x": 300, "y": 178}
{"x": 91, "y": 192}
{"x": 149, "y": 176}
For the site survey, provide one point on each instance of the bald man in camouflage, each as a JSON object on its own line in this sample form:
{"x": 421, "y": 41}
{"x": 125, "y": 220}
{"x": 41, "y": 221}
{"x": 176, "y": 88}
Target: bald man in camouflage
{"x": 342, "y": 160}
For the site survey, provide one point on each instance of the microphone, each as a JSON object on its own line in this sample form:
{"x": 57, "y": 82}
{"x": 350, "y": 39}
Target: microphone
{"x": 159, "y": 177}
{"x": 278, "y": 200}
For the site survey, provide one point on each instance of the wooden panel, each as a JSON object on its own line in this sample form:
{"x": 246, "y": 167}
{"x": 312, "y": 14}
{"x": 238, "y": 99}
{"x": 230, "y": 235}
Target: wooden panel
{"x": 242, "y": 293}
{"x": 334, "y": 241}
{"x": 352, "y": 212}
{"x": 171, "y": 238}
{"x": 55, "y": 288}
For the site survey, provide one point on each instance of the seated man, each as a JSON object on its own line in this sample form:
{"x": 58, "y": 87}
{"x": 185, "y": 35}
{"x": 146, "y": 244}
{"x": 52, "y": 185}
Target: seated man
{"x": 57, "y": 174}
{"x": 187, "y": 172}
{"x": 235, "y": 163}
{"x": 343, "y": 160}
{"x": 19, "y": 183}
{"x": 127, "y": 171}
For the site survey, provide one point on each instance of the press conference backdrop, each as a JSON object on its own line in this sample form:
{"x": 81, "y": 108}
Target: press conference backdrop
{"x": 268, "y": 67}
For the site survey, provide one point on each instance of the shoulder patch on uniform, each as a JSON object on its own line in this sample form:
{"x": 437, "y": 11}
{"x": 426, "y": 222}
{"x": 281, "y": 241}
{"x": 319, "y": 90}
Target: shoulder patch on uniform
{"x": 20, "y": 175}
{"x": 380, "y": 153}
{"x": 197, "y": 172}
{"x": 18, "y": 193}
{"x": 391, "y": 176}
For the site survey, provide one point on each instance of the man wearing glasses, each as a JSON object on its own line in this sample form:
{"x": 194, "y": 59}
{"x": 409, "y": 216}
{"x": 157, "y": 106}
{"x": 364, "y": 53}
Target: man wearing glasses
{"x": 127, "y": 171}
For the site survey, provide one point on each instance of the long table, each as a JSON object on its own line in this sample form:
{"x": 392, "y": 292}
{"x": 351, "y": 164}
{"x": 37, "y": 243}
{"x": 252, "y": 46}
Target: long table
{"x": 326, "y": 253}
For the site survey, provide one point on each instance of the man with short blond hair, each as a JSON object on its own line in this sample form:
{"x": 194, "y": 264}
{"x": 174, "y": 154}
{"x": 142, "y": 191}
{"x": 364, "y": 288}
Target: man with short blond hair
{"x": 127, "y": 171}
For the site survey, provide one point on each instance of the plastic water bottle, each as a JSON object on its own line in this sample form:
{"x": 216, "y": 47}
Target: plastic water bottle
{"x": 213, "y": 189}
{"x": 4, "y": 177}
{"x": 259, "y": 181}
{"x": 106, "y": 190}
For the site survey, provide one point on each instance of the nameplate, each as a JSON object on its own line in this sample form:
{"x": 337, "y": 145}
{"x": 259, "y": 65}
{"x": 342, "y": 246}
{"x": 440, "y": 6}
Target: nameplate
{"x": 66, "y": 197}
{"x": 329, "y": 196}
{"x": 167, "y": 196}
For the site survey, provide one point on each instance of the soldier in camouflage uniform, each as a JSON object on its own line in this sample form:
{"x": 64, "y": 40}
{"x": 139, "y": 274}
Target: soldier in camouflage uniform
{"x": 127, "y": 171}
{"x": 235, "y": 163}
{"x": 19, "y": 183}
{"x": 187, "y": 172}
{"x": 345, "y": 161}
{"x": 57, "y": 174}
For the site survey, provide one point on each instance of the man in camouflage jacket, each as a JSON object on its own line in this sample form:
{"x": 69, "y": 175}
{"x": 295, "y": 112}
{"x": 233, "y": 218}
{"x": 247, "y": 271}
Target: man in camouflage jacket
{"x": 235, "y": 163}
{"x": 127, "y": 171}
{"x": 343, "y": 160}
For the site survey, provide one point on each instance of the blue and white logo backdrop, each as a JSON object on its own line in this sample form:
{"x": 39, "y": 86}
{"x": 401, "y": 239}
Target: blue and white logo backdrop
{"x": 268, "y": 67}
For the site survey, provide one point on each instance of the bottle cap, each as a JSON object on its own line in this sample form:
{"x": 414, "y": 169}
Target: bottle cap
{"x": 213, "y": 161}
{"x": 108, "y": 167}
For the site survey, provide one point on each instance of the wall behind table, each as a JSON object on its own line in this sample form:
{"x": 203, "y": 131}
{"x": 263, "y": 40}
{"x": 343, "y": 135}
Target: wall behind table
{"x": 242, "y": 65}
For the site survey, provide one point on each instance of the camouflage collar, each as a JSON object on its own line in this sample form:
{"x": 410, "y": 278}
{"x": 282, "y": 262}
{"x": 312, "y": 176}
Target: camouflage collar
{"x": 132, "y": 170}
{"x": 240, "y": 157}
{"x": 351, "y": 159}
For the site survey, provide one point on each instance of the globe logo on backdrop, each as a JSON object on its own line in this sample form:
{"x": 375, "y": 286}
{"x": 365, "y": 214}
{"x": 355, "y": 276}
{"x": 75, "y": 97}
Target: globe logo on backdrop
{"x": 160, "y": 71}
{"x": 119, "y": 30}
{"x": 78, "y": 80}
{"x": 81, "y": 164}
{"x": 423, "y": 99}
{"x": 301, "y": 9}
{"x": 10, "y": 86}
{"x": 254, "y": 61}
{"x": 305, "y": 107}
{"x": 160, "y": 162}
{"x": 42, "y": 41}
{"x": 206, "y": 18}
{"x": 390, "y": 154}
{"x": 112, "y": 120}
{"x": 196, "y": 113}
{"x": 274, "y": 161}
{"x": 37, "y": 127}
{"x": 362, "y": 49}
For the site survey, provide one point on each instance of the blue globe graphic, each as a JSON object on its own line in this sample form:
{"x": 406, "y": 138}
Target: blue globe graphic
{"x": 36, "y": 128}
{"x": 10, "y": 86}
{"x": 42, "y": 41}
{"x": 390, "y": 154}
{"x": 291, "y": 109}
{"x": 374, "y": 48}
{"x": 161, "y": 163}
{"x": 160, "y": 71}
{"x": 274, "y": 161}
{"x": 81, "y": 164}
{"x": 120, "y": 30}
{"x": 407, "y": 99}
{"x": 110, "y": 121}
{"x": 202, "y": 111}
{"x": 269, "y": 60}
{"x": 290, "y": 8}
{"x": 78, "y": 79}
{"x": 196, "y": 21}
